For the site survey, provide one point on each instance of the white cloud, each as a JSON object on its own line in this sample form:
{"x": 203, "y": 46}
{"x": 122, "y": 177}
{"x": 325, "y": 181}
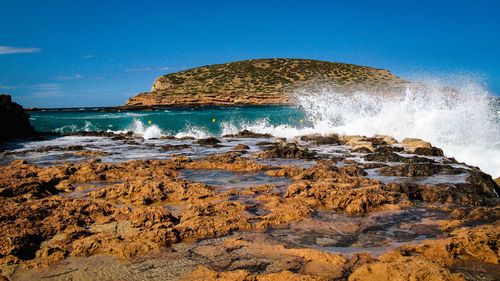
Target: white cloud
{"x": 137, "y": 69}
{"x": 72, "y": 77}
{"x": 4, "y": 50}
{"x": 88, "y": 56}
{"x": 48, "y": 90}
{"x": 168, "y": 68}
{"x": 6, "y": 87}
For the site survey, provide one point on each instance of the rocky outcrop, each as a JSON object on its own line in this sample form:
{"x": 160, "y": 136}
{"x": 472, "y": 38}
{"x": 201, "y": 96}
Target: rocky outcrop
{"x": 143, "y": 209}
{"x": 261, "y": 82}
{"x": 14, "y": 121}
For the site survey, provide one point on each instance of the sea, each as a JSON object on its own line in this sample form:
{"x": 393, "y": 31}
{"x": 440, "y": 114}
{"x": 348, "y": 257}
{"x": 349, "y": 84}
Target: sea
{"x": 466, "y": 126}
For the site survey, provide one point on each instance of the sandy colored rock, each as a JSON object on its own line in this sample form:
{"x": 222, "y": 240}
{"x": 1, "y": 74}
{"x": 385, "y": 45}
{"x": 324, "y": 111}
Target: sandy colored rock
{"x": 405, "y": 270}
{"x": 203, "y": 273}
{"x": 212, "y": 219}
{"x": 232, "y": 161}
{"x": 468, "y": 249}
{"x": 421, "y": 147}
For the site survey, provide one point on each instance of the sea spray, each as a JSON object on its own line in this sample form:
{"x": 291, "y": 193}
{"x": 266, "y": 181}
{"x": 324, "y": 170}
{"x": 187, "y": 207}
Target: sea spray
{"x": 464, "y": 123}
{"x": 139, "y": 129}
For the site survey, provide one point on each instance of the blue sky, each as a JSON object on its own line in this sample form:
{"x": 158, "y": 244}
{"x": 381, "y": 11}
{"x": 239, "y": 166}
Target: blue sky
{"x": 99, "y": 53}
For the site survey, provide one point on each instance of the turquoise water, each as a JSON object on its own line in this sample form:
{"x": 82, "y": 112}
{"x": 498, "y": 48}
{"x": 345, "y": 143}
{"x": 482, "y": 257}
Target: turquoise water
{"x": 197, "y": 121}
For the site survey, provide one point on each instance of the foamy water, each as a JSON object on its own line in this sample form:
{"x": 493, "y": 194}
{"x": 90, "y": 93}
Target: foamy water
{"x": 465, "y": 124}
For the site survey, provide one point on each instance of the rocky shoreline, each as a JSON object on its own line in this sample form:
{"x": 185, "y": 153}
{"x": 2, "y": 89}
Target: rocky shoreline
{"x": 348, "y": 208}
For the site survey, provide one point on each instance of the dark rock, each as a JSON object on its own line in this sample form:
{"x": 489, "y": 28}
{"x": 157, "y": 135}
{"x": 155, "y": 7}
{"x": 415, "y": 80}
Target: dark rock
{"x": 247, "y": 134}
{"x": 393, "y": 157}
{"x": 411, "y": 170}
{"x": 433, "y": 151}
{"x": 286, "y": 150}
{"x": 321, "y": 140}
{"x": 211, "y": 141}
{"x": 174, "y": 147}
{"x": 484, "y": 181}
{"x": 58, "y": 148}
{"x": 374, "y": 165}
{"x": 388, "y": 149}
{"x": 14, "y": 121}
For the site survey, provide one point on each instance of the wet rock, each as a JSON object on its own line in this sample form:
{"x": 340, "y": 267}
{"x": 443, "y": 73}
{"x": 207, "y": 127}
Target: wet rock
{"x": 321, "y": 140}
{"x": 211, "y": 141}
{"x": 247, "y": 134}
{"x": 467, "y": 248}
{"x": 286, "y": 150}
{"x": 420, "y": 147}
{"x": 373, "y": 165}
{"x": 388, "y": 149}
{"x": 241, "y": 147}
{"x": 265, "y": 143}
{"x": 411, "y": 170}
{"x": 389, "y": 156}
{"x": 175, "y": 146}
{"x": 433, "y": 151}
{"x": 485, "y": 181}
{"x": 58, "y": 148}
{"x": 14, "y": 121}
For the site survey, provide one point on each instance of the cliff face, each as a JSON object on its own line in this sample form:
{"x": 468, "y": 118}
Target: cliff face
{"x": 262, "y": 81}
{"x": 14, "y": 122}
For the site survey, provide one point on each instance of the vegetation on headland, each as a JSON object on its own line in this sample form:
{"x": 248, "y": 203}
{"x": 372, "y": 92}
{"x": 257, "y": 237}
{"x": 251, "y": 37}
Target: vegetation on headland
{"x": 262, "y": 81}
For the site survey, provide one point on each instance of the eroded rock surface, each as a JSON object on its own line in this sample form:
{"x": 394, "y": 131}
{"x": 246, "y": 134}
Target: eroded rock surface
{"x": 142, "y": 207}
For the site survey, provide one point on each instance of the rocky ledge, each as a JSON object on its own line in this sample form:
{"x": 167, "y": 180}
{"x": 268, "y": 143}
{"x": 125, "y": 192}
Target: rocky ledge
{"x": 261, "y": 82}
{"x": 143, "y": 220}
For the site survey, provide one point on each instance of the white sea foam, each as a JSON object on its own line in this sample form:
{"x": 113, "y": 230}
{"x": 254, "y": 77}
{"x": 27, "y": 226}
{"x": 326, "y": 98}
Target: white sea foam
{"x": 464, "y": 124}
{"x": 139, "y": 129}
{"x": 194, "y": 131}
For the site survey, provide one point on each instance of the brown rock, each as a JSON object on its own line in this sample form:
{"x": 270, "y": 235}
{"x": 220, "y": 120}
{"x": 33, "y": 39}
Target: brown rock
{"x": 241, "y": 147}
{"x": 212, "y": 219}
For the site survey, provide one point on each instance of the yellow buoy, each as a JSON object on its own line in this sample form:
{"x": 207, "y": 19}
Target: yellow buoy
{"x": 301, "y": 120}
{"x": 213, "y": 120}
{"x": 149, "y": 122}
